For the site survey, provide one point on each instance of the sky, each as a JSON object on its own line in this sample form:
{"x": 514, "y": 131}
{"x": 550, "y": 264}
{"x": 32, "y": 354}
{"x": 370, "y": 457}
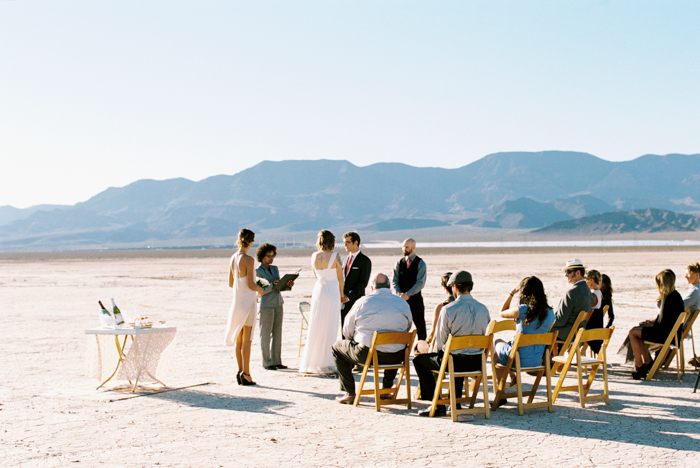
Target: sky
{"x": 101, "y": 94}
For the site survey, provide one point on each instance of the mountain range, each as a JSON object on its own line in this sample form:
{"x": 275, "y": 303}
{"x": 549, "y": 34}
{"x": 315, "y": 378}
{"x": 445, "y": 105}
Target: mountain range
{"x": 514, "y": 190}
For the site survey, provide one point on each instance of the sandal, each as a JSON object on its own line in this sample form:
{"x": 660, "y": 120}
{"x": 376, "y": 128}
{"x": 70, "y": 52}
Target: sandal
{"x": 245, "y": 381}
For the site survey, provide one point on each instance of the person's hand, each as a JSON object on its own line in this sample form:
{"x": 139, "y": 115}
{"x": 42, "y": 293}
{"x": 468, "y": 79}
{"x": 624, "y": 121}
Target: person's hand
{"x": 403, "y": 296}
{"x": 290, "y": 284}
{"x": 514, "y": 292}
{"x": 430, "y": 337}
{"x": 275, "y": 282}
{"x": 344, "y": 299}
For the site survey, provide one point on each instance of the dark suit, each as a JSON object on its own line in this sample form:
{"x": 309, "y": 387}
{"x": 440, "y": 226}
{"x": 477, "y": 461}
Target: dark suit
{"x": 577, "y": 299}
{"x": 355, "y": 281}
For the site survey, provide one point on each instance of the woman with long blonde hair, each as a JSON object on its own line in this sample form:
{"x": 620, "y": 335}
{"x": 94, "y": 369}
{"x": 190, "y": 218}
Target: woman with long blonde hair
{"x": 670, "y": 304}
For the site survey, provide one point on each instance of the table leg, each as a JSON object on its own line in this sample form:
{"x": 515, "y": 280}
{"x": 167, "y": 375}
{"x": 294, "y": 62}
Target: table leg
{"x": 120, "y": 349}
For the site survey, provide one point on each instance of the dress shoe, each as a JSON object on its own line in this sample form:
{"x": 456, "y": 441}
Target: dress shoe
{"x": 641, "y": 373}
{"x": 281, "y": 366}
{"x": 346, "y": 399}
{"x": 238, "y": 377}
{"x": 695, "y": 362}
{"x": 270, "y": 367}
{"x": 246, "y": 379}
{"x": 440, "y": 410}
{"x": 386, "y": 396}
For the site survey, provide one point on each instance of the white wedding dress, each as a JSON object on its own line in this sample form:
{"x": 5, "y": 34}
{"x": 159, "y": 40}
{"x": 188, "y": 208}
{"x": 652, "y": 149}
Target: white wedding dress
{"x": 324, "y": 323}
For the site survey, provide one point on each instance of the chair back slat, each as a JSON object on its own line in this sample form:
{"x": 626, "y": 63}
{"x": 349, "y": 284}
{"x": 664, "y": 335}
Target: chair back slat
{"x": 546, "y": 339}
{"x": 468, "y": 341}
{"x": 596, "y": 334}
{"x": 404, "y": 338}
{"x": 497, "y": 326}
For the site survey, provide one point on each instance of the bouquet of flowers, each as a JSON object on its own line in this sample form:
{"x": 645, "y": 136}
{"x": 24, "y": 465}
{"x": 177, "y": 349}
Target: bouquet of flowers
{"x": 262, "y": 282}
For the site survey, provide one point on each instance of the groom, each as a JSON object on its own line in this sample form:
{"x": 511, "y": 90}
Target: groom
{"x": 356, "y": 270}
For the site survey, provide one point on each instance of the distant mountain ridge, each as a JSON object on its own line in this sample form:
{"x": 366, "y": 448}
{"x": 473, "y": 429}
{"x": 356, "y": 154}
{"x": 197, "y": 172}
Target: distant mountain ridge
{"x": 649, "y": 220}
{"x": 503, "y": 190}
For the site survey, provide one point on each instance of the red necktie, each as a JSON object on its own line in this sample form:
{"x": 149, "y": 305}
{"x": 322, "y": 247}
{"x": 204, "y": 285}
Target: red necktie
{"x": 408, "y": 262}
{"x": 347, "y": 268}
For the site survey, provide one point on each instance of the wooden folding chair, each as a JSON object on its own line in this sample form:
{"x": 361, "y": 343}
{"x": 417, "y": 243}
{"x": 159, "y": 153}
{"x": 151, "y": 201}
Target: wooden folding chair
{"x": 687, "y": 327}
{"x": 562, "y": 346}
{"x": 587, "y": 318}
{"x": 497, "y": 326}
{"x": 576, "y": 358}
{"x": 460, "y": 342}
{"x": 671, "y": 342}
{"x": 378, "y": 339}
{"x": 304, "y": 307}
{"x": 521, "y": 340}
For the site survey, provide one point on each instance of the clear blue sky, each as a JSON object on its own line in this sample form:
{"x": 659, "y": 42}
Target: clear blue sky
{"x": 96, "y": 94}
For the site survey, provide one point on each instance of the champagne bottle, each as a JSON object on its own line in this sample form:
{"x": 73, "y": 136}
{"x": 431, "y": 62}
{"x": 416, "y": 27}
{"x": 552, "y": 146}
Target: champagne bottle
{"x": 117, "y": 314}
{"x": 105, "y": 317}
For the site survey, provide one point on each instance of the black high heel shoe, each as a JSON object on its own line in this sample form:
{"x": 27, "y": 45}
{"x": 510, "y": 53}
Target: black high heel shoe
{"x": 641, "y": 373}
{"x": 245, "y": 381}
{"x": 238, "y": 378}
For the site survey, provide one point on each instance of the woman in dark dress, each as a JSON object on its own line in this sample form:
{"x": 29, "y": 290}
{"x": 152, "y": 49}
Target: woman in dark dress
{"x": 598, "y": 314}
{"x": 430, "y": 345}
{"x": 671, "y": 306}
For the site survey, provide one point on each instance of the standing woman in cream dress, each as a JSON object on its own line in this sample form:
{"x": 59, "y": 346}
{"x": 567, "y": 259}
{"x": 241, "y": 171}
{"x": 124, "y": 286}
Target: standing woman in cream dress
{"x": 325, "y": 308}
{"x": 241, "y": 317}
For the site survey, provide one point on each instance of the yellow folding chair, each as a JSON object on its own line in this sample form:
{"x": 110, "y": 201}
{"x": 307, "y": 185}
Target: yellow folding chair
{"x": 562, "y": 346}
{"x": 304, "y": 308}
{"x": 404, "y": 368}
{"x": 576, "y": 358}
{"x": 671, "y": 342}
{"x": 587, "y": 318}
{"x": 687, "y": 329}
{"x": 521, "y": 340}
{"x": 460, "y": 342}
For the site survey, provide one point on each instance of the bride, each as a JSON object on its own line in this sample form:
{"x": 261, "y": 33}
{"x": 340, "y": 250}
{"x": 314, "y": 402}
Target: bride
{"x": 325, "y": 308}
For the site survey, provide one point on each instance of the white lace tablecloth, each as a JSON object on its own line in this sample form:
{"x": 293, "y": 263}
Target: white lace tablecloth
{"x": 147, "y": 353}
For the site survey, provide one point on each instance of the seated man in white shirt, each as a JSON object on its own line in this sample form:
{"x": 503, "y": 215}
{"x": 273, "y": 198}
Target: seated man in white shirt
{"x": 379, "y": 311}
{"x": 465, "y": 316}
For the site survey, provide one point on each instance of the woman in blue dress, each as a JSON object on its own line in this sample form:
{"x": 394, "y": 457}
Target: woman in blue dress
{"x": 532, "y": 315}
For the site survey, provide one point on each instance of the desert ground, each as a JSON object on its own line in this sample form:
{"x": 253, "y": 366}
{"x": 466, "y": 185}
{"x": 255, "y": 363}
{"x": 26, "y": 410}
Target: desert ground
{"x": 47, "y": 301}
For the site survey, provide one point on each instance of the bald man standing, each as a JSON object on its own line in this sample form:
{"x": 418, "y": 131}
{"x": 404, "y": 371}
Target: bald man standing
{"x": 408, "y": 282}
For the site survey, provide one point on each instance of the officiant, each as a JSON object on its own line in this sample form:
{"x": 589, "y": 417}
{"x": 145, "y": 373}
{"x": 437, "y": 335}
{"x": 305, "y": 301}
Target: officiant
{"x": 271, "y": 311}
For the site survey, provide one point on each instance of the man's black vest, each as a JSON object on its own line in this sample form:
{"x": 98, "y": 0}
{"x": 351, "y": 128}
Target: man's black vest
{"x": 408, "y": 276}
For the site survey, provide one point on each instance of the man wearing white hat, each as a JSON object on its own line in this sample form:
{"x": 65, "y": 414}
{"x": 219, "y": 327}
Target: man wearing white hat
{"x": 578, "y": 298}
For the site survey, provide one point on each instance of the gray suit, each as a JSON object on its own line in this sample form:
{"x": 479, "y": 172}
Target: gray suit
{"x": 578, "y": 298}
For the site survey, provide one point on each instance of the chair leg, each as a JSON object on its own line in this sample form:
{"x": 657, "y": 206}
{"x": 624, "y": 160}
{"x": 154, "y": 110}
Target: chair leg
{"x": 362, "y": 385}
{"x": 407, "y": 374}
{"x": 579, "y": 376}
{"x": 654, "y": 368}
{"x": 395, "y": 395}
{"x": 605, "y": 381}
{"x": 560, "y": 383}
{"x": 519, "y": 385}
{"x": 485, "y": 384}
{"x": 377, "y": 393}
{"x": 548, "y": 378}
{"x": 589, "y": 382}
{"x": 535, "y": 386}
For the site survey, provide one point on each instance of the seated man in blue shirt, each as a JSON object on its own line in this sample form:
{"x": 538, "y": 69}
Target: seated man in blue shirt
{"x": 379, "y": 311}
